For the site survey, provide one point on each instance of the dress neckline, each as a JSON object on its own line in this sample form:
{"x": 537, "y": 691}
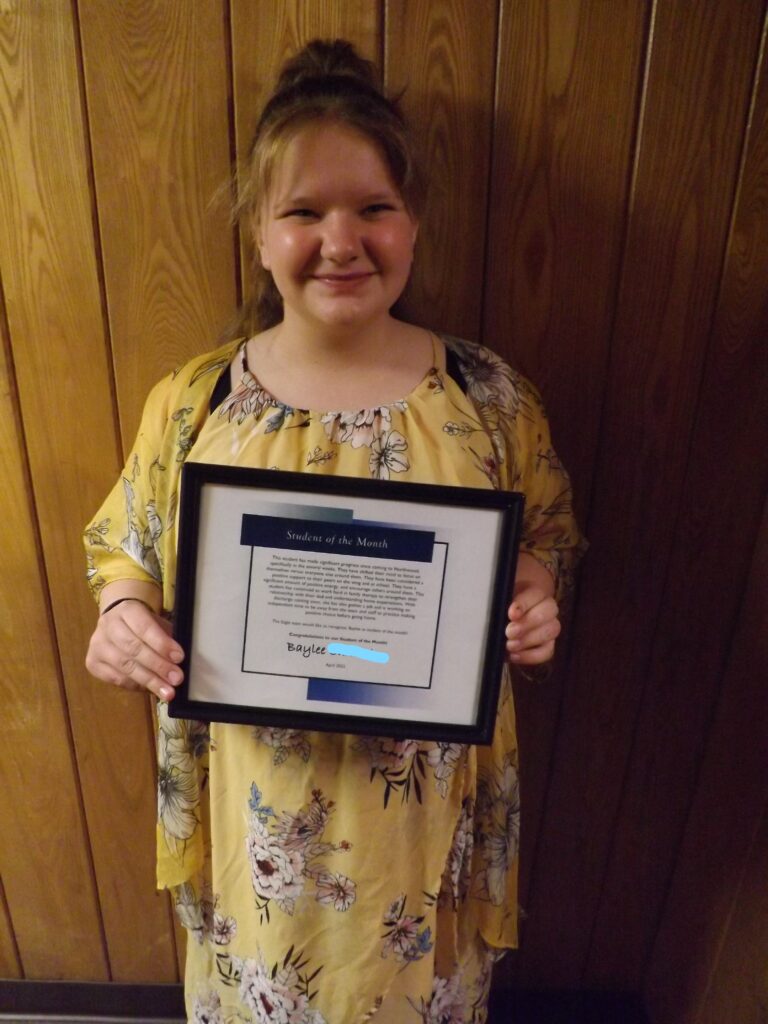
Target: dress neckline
{"x": 249, "y": 380}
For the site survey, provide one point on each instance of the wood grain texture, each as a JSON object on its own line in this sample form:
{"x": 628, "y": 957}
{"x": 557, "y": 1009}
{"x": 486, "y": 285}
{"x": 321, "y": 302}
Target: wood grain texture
{"x": 441, "y": 57}
{"x": 739, "y": 989}
{"x": 730, "y": 800}
{"x": 561, "y": 166}
{"x": 265, "y": 35}
{"x": 726, "y": 478}
{"x": 157, "y": 101}
{"x": 561, "y": 158}
{"x": 698, "y": 84}
{"x": 10, "y": 964}
{"x": 51, "y": 898}
{"x": 56, "y": 330}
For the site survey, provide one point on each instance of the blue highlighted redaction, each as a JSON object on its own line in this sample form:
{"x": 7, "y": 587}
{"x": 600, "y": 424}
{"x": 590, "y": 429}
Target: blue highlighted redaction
{"x": 364, "y": 653}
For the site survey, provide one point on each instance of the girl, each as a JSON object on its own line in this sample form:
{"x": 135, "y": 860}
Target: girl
{"x": 332, "y": 878}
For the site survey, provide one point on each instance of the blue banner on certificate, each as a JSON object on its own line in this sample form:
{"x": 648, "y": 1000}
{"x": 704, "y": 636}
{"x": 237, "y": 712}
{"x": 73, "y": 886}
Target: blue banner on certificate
{"x": 344, "y": 605}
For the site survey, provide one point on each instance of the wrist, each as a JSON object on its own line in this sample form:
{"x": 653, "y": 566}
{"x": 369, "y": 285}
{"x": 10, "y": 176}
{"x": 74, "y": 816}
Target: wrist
{"x": 119, "y": 600}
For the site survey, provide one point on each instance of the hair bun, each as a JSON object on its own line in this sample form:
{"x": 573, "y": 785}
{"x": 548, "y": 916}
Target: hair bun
{"x": 323, "y": 58}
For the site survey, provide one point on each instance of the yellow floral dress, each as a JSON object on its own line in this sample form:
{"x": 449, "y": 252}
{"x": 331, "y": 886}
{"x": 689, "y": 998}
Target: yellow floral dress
{"x": 323, "y": 878}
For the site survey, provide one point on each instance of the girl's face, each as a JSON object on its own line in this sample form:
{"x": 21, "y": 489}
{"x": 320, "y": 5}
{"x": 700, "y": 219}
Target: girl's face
{"x": 334, "y": 231}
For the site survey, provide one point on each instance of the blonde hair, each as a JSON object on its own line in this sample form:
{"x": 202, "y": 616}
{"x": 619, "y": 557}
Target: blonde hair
{"x": 326, "y": 80}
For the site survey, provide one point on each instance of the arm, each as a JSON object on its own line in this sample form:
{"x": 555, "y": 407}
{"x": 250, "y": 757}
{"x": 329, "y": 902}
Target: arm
{"x": 534, "y": 624}
{"x": 131, "y": 646}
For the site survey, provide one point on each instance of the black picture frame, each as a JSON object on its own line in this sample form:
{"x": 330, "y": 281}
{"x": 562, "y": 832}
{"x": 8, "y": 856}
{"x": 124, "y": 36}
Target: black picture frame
{"x": 420, "y": 574}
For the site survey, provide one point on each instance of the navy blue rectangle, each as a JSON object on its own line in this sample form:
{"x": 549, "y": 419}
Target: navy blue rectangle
{"x": 337, "y": 538}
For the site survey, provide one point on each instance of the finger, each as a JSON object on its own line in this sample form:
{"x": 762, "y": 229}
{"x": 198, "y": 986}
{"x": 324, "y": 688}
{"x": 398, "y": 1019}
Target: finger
{"x": 120, "y": 655}
{"x": 538, "y": 615}
{"x": 112, "y": 670}
{"x": 153, "y": 630}
{"x": 526, "y": 599}
{"x": 534, "y": 656}
{"x": 538, "y": 636}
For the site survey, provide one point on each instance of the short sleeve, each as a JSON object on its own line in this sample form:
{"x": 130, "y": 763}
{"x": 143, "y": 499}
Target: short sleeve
{"x": 122, "y": 540}
{"x": 513, "y": 415}
{"x": 531, "y": 465}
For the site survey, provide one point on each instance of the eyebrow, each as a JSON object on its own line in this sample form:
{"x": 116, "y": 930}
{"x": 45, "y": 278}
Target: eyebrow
{"x": 372, "y": 197}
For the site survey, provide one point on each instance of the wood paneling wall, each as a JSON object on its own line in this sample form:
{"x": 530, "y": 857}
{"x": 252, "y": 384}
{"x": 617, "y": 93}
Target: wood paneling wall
{"x": 599, "y": 214}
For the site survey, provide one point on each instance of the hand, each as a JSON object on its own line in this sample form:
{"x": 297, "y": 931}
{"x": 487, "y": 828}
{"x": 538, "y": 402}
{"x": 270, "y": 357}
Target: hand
{"x": 534, "y": 624}
{"x": 132, "y": 648}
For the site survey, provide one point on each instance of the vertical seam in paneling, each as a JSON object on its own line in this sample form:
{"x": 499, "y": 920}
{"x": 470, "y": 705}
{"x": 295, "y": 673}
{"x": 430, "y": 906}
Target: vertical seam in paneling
{"x": 382, "y": 54}
{"x": 5, "y": 334}
{"x": 494, "y": 104}
{"x": 34, "y": 525}
{"x": 234, "y": 164}
{"x": 631, "y": 189}
{"x": 760, "y": 65}
{"x": 730, "y": 915}
{"x": 7, "y": 912}
{"x": 632, "y": 184}
{"x": 96, "y": 228}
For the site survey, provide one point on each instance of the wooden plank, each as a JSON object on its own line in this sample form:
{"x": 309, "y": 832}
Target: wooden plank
{"x": 50, "y": 277}
{"x": 725, "y": 482}
{"x": 730, "y": 800}
{"x": 51, "y": 898}
{"x": 739, "y": 989}
{"x": 10, "y": 965}
{"x": 265, "y": 35}
{"x": 566, "y": 116}
{"x": 698, "y": 88}
{"x": 156, "y": 85}
{"x": 441, "y": 57}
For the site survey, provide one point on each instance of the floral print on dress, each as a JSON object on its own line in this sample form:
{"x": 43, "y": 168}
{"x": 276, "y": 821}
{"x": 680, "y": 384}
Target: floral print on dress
{"x": 283, "y": 854}
{"x": 497, "y": 830}
{"x": 139, "y": 542}
{"x": 404, "y": 938}
{"x": 387, "y": 455}
{"x": 206, "y": 1008}
{"x": 248, "y": 399}
{"x": 445, "y": 1005}
{"x": 181, "y": 743}
{"x": 201, "y": 917}
{"x": 277, "y": 995}
{"x": 284, "y": 742}
{"x": 360, "y": 429}
{"x": 444, "y": 759}
{"x": 457, "y": 876}
{"x": 402, "y": 764}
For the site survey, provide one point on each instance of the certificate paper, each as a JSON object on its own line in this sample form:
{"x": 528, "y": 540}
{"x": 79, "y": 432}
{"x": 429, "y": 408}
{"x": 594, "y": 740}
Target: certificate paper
{"x": 345, "y": 605}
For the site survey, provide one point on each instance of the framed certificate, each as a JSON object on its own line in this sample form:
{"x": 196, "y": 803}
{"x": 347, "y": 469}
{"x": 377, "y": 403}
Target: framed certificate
{"x": 360, "y": 606}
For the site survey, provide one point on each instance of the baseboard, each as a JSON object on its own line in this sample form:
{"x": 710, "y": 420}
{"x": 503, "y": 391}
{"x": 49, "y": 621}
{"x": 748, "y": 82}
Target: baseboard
{"x": 83, "y": 999}
{"x": 166, "y": 1002}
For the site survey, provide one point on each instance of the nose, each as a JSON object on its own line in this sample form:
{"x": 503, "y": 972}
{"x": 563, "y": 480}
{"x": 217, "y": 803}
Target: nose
{"x": 341, "y": 240}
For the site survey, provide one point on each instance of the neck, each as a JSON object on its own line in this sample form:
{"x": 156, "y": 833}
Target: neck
{"x": 321, "y": 345}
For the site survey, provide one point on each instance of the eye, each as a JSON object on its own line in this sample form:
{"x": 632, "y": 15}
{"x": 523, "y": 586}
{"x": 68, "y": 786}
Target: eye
{"x": 377, "y": 208}
{"x": 300, "y": 213}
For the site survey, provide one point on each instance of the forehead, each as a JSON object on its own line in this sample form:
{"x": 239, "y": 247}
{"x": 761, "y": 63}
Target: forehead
{"x": 329, "y": 158}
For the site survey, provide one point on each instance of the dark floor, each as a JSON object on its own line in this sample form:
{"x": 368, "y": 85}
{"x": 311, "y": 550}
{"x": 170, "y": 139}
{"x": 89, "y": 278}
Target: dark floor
{"x": 22, "y": 1002}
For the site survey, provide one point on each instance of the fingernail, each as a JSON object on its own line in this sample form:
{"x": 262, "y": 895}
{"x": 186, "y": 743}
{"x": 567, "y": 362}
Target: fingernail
{"x": 177, "y": 656}
{"x": 512, "y": 645}
{"x": 166, "y": 693}
{"x": 174, "y": 677}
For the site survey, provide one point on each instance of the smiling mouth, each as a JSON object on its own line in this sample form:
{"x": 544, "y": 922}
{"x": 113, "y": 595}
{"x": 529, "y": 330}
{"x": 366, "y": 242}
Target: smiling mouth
{"x": 341, "y": 279}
